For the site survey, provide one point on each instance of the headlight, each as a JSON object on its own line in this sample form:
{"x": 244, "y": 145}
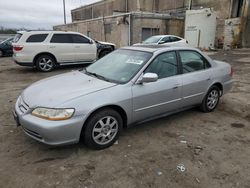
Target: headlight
{"x": 53, "y": 114}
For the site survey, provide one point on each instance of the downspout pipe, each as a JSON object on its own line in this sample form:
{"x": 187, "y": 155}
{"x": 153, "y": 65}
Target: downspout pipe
{"x": 190, "y": 4}
{"x": 129, "y": 30}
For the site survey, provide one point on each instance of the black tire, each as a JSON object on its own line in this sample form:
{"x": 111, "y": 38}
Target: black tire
{"x": 92, "y": 139}
{"x": 45, "y": 63}
{"x": 1, "y": 53}
{"x": 211, "y": 100}
{"x": 103, "y": 53}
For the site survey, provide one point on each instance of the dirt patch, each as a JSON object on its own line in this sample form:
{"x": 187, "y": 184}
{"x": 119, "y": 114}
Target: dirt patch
{"x": 213, "y": 147}
{"x": 237, "y": 125}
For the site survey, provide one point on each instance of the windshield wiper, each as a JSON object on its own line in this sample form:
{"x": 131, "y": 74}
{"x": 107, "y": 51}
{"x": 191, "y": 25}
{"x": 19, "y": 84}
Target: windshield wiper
{"x": 98, "y": 76}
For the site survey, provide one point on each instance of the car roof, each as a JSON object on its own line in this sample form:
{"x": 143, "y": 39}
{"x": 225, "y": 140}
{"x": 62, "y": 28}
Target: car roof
{"x": 156, "y": 48}
{"x": 166, "y": 36}
{"x": 47, "y": 31}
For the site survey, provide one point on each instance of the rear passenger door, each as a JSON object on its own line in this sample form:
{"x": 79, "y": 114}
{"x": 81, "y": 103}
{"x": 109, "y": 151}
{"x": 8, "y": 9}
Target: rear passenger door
{"x": 61, "y": 45}
{"x": 85, "y": 49}
{"x": 196, "y": 77}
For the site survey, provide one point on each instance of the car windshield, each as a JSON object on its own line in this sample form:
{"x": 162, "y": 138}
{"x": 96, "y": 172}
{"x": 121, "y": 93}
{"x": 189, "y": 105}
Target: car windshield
{"x": 153, "y": 39}
{"x": 119, "y": 66}
{"x": 6, "y": 40}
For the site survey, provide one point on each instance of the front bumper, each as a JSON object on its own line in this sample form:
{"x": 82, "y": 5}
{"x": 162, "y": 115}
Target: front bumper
{"x": 48, "y": 132}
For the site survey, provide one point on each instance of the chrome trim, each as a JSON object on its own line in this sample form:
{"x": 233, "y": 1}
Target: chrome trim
{"x": 195, "y": 95}
{"x": 140, "y": 109}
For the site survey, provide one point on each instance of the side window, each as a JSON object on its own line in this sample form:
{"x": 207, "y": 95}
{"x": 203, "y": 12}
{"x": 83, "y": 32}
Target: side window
{"x": 37, "y": 38}
{"x": 175, "y": 39}
{"x": 61, "y": 38}
{"x": 165, "y": 40}
{"x": 193, "y": 61}
{"x": 80, "y": 39}
{"x": 165, "y": 65}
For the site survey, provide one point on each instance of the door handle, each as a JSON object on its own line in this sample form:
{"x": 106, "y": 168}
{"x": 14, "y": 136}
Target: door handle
{"x": 52, "y": 47}
{"x": 77, "y": 46}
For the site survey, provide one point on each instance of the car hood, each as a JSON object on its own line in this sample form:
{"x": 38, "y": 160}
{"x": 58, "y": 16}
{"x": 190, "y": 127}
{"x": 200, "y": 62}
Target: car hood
{"x": 54, "y": 91}
{"x": 106, "y": 43}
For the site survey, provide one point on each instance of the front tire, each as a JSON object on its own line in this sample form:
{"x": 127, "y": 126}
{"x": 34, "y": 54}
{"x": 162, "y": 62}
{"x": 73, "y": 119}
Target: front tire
{"x": 102, "y": 129}
{"x": 211, "y": 100}
{"x": 45, "y": 63}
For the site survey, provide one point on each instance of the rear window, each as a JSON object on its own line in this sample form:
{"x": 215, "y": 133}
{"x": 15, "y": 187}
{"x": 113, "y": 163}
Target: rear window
{"x": 79, "y": 39}
{"x": 17, "y": 37}
{"x": 61, "y": 38}
{"x": 175, "y": 39}
{"x": 37, "y": 38}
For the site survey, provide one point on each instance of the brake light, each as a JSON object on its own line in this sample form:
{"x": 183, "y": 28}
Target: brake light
{"x": 231, "y": 72}
{"x": 17, "y": 48}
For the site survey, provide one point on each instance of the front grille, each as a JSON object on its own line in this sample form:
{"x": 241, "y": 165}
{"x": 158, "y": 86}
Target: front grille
{"x": 23, "y": 107}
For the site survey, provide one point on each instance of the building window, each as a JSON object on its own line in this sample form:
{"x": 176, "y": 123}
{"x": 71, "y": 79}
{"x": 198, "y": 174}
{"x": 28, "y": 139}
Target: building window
{"x": 236, "y": 8}
{"x": 148, "y": 32}
{"x": 107, "y": 28}
{"x": 89, "y": 34}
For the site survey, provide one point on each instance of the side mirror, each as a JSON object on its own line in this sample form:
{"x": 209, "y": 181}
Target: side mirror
{"x": 148, "y": 77}
{"x": 91, "y": 42}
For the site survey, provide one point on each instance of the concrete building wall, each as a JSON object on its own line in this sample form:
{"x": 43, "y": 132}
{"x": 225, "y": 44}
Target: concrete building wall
{"x": 225, "y": 9}
{"x": 116, "y": 30}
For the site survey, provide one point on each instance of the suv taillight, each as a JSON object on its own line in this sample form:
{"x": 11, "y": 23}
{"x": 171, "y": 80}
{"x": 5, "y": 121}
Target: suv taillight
{"x": 17, "y": 48}
{"x": 231, "y": 72}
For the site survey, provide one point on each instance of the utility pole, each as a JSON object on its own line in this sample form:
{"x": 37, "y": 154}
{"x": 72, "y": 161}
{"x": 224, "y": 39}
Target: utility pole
{"x": 64, "y": 12}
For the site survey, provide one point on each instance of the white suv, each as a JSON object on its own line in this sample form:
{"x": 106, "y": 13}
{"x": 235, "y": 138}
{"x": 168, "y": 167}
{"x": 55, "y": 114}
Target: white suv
{"x": 46, "y": 49}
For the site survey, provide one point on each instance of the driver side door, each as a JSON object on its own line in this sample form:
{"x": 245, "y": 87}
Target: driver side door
{"x": 164, "y": 95}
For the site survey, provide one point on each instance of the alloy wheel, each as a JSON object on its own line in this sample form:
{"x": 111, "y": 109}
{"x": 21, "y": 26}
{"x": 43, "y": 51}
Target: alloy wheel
{"x": 105, "y": 130}
{"x": 46, "y": 64}
{"x": 212, "y": 99}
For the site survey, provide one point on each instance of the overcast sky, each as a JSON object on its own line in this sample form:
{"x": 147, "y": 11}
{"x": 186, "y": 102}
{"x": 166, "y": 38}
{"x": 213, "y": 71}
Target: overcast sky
{"x": 34, "y": 14}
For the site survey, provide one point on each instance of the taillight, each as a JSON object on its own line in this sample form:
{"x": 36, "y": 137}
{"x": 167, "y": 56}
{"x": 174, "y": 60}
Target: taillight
{"x": 231, "y": 72}
{"x": 18, "y": 48}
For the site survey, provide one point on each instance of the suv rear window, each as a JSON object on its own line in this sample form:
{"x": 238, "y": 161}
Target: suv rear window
{"x": 37, "y": 38}
{"x": 17, "y": 37}
{"x": 61, "y": 38}
{"x": 79, "y": 39}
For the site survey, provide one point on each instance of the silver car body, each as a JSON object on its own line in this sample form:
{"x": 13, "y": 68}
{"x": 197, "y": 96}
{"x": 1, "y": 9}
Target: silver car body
{"x": 181, "y": 42}
{"x": 136, "y": 102}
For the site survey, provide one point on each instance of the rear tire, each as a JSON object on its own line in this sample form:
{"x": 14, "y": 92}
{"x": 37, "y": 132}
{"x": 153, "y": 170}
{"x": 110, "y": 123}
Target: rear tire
{"x": 211, "y": 100}
{"x": 102, "y": 129}
{"x": 45, "y": 63}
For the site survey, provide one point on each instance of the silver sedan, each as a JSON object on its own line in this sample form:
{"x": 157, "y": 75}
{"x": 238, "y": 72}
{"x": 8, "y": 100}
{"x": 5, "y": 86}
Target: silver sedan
{"x": 128, "y": 86}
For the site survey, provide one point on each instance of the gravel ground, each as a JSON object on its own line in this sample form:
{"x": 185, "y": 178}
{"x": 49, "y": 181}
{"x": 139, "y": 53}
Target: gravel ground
{"x": 214, "y": 147}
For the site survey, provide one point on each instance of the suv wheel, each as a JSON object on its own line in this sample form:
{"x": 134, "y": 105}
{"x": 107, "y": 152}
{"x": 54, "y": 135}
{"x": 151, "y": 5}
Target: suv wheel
{"x": 102, "y": 129}
{"x": 45, "y": 63}
{"x": 211, "y": 100}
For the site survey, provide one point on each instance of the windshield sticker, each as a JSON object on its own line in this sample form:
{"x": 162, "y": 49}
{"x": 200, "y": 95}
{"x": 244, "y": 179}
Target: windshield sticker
{"x": 134, "y": 61}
